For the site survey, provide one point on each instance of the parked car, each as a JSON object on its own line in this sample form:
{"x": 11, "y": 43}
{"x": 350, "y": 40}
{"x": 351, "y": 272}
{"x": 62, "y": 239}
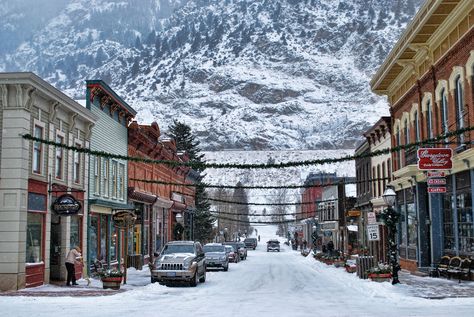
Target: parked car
{"x": 233, "y": 255}
{"x": 251, "y": 243}
{"x": 273, "y": 245}
{"x": 216, "y": 257}
{"x": 239, "y": 247}
{"x": 179, "y": 261}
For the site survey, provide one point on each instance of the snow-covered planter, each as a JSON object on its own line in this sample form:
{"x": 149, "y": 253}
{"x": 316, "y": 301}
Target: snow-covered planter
{"x": 380, "y": 277}
{"x": 111, "y": 279}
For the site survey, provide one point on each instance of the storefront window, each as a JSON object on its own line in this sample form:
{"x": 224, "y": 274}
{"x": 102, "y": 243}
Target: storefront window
{"x": 75, "y": 238}
{"x": 114, "y": 244}
{"x": 94, "y": 233}
{"x": 464, "y": 213}
{"x": 448, "y": 221}
{"x": 411, "y": 225}
{"x": 103, "y": 238}
{"x": 34, "y": 237}
{"x": 146, "y": 228}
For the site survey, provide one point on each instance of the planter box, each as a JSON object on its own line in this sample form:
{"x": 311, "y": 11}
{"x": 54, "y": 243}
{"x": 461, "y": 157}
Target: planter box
{"x": 386, "y": 277}
{"x": 351, "y": 269}
{"x": 339, "y": 263}
{"x": 111, "y": 282}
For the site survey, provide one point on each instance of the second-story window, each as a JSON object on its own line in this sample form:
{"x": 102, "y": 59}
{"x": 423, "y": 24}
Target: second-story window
{"x": 37, "y": 150}
{"x": 59, "y": 158}
{"x": 459, "y": 107}
{"x": 399, "y": 152}
{"x": 429, "y": 119}
{"x": 444, "y": 113}
{"x": 77, "y": 166}
{"x": 121, "y": 181}
{"x": 105, "y": 177}
{"x": 114, "y": 179}
{"x": 417, "y": 127}
{"x": 97, "y": 175}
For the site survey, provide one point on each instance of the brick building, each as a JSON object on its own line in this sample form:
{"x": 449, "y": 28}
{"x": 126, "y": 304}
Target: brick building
{"x": 157, "y": 204}
{"x": 428, "y": 79}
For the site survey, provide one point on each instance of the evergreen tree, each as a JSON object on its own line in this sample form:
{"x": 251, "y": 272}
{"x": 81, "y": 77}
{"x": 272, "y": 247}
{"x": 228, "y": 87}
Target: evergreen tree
{"x": 185, "y": 141}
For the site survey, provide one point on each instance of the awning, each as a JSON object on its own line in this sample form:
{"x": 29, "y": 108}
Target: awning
{"x": 352, "y": 228}
{"x": 138, "y": 195}
{"x": 178, "y": 206}
{"x": 163, "y": 203}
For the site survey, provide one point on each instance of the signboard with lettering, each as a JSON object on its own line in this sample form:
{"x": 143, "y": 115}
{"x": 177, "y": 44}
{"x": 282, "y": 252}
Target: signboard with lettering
{"x": 436, "y": 174}
{"x": 373, "y": 233}
{"x": 124, "y": 218}
{"x": 436, "y": 181}
{"x": 66, "y": 205}
{"x": 435, "y": 158}
{"x": 436, "y": 190}
{"x": 371, "y": 219}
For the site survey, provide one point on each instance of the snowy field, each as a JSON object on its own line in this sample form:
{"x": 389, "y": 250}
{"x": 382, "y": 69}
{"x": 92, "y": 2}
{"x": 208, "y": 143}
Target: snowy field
{"x": 266, "y": 284}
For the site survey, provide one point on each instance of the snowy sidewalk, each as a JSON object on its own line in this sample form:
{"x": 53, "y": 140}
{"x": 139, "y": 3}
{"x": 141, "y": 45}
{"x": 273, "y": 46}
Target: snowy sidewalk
{"x": 135, "y": 279}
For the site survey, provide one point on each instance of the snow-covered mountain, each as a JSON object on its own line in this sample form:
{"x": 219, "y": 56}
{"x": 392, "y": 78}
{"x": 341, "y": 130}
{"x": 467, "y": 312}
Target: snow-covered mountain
{"x": 245, "y": 74}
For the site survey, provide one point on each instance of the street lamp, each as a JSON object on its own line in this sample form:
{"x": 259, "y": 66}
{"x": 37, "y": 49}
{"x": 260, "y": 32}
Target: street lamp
{"x": 179, "y": 218}
{"x": 391, "y": 221}
{"x": 314, "y": 237}
{"x": 225, "y": 233}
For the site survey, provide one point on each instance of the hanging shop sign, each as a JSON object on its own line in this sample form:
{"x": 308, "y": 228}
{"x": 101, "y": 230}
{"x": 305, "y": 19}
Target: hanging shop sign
{"x": 373, "y": 232}
{"x": 124, "y": 218}
{"x": 436, "y": 190}
{"x": 66, "y": 205}
{"x": 435, "y": 158}
{"x": 436, "y": 174}
{"x": 436, "y": 181}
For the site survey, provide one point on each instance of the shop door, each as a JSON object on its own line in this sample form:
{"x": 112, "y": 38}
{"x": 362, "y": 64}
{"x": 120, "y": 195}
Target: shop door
{"x": 55, "y": 248}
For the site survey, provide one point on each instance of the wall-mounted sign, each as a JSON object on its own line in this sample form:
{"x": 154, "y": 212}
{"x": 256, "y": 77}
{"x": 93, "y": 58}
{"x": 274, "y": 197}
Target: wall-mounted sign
{"x": 435, "y": 158}
{"x": 124, "y": 218}
{"x": 436, "y": 190}
{"x": 436, "y": 174}
{"x": 436, "y": 181}
{"x": 371, "y": 218}
{"x": 66, "y": 205}
{"x": 373, "y": 232}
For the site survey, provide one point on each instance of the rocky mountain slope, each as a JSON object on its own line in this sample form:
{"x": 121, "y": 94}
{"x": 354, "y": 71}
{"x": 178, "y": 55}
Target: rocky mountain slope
{"x": 245, "y": 74}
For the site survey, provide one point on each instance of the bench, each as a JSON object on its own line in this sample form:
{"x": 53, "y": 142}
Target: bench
{"x": 453, "y": 267}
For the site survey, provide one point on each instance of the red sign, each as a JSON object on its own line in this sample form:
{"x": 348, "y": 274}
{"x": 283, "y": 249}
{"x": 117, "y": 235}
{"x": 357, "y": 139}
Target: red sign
{"x": 436, "y": 174}
{"x": 435, "y": 190}
{"x": 436, "y": 181}
{"x": 435, "y": 159}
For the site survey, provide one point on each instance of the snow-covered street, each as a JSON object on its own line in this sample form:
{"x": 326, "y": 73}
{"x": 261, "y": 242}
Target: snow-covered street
{"x": 266, "y": 284}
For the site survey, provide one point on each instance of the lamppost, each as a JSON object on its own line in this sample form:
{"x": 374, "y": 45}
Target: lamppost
{"x": 314, "y": 237}
{"x": 391, "y": 221}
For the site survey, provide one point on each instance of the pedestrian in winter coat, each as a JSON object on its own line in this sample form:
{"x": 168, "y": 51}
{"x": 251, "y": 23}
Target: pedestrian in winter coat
{"x": 305, "y": 243}
{"x": 330, "y": 246}
{"x": 73, "y": 257}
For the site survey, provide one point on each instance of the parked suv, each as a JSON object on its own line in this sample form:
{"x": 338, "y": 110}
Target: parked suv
{"x": 251, "y": 243}
{"x": 179, "y": 261}
{"x": 216, "y": 256}
{"x": 239, "y": 248}
{"x": 273, "y": 245}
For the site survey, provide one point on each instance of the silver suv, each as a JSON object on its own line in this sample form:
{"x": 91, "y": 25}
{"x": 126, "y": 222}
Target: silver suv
{"x": 216, "y": 256}
{"x": 179, "y": 261}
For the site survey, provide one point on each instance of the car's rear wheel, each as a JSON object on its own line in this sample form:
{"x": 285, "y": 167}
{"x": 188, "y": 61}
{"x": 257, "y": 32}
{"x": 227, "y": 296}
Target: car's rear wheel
{"x": 153, "y": 280}
{"x": 226, "y": 268}
{"x": 203, "y": 278}
{"x": 194, "y": 281}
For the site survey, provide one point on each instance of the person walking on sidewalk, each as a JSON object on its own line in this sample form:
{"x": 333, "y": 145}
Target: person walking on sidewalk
{"x": 73, "y": 257}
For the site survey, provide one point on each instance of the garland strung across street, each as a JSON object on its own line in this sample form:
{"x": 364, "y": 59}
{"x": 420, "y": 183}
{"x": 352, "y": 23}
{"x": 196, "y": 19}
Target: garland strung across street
{"x": 260, "y": 215}
{"x": 257, "y": 187}
{"x": 270, "y": 204}
{"x": 263, "y": 222}
{"x": 201, "y": 165}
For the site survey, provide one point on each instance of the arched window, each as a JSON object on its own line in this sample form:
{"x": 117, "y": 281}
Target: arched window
{"x": 444, "y": 112}
{"x": 417, "y": 126}
{"x": 379, "y": 193}
{"x": 429, "y": 119}
{"x": 399, "y": 152}
{"x": 458, "y": 97}
{"x": 407, "y": 132}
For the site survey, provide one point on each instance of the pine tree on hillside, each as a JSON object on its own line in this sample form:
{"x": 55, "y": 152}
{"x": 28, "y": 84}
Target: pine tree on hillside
{"x": 186, "y": 142}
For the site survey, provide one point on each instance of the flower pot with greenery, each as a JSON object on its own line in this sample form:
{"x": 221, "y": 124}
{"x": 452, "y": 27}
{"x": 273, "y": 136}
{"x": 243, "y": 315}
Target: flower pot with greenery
{"x": 111, "y": 279}
{"x": 380, "y": 273}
